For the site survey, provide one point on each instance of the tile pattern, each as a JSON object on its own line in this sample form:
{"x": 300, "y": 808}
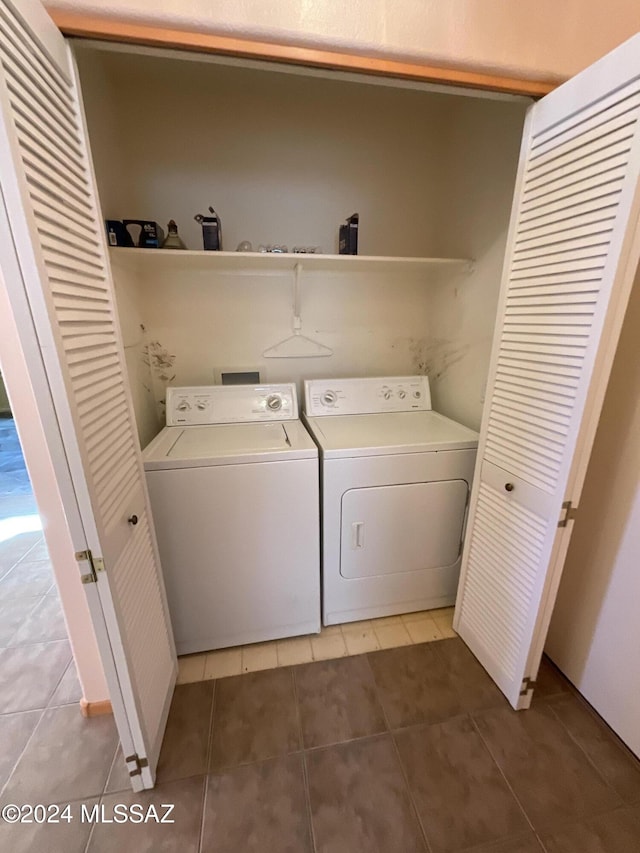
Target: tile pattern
{"x": 461, "y": 796}
{"x": 359, "y": 800}
{"x": 258, "y": 807}
{"x": 337, "y": 701}
{"x": 334, "y": 641}
{"x": 255, "y": 718}
{"x": 403, "y": 749}
{"x": 550, "y": 774}
{"x": 48, "y": 751}
{"x": 408, "y": 749}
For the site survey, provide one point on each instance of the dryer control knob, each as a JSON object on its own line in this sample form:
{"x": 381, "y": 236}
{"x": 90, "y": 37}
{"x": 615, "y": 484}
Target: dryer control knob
{"x": 386, "y": 393}
{"x": 329, "y": 398}
{"x": 201, "y": 406}
{"x": 402, "y": 394}
{"x": 274, "y": 403}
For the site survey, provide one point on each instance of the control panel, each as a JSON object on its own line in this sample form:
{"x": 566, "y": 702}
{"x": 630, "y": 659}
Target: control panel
{"x": 230, "y": 404}
{"x": 366, "y": 396}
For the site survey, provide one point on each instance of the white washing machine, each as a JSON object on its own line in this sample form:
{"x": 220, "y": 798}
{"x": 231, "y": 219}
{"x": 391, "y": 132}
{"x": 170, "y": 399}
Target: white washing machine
{"x": 233, "y": 481}
{"x": 395, "y": 482}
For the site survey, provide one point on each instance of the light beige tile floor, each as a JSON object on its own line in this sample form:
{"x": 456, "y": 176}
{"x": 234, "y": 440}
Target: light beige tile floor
{"x": 335, "y": 641}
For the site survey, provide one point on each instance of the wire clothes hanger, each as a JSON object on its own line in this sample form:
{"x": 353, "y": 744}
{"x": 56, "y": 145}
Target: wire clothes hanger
{"x": 297, "y": 345}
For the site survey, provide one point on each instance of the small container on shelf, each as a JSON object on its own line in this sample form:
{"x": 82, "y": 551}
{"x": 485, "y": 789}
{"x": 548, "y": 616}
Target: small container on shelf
{"x": 273, "y": 249}
{"x": 348, "y": 240}
{"x": 117, "y": 234}
{"x": 173, "y": 239}
{"x": 145, "y": 233}
{"x": 211, "y": 230}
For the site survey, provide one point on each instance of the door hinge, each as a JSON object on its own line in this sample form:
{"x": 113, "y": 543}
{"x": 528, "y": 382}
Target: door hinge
{"x": 94, "y": 565}
{"x": 570, "y": 513}
{"x": 135, "y": 764}
{"x": 527, "y": 685}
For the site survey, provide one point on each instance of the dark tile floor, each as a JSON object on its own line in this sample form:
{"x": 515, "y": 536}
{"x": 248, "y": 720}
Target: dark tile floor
{"x": 409, "y": 749}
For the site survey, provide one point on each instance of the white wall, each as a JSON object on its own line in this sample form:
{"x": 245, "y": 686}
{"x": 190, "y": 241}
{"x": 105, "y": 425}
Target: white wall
{"x": 482, "y": 145}
{"x": 56, "y": 532}
{"x": 284, "y": 158}
{"x": 595, "y": 632}
{"x": 546, "y": 39}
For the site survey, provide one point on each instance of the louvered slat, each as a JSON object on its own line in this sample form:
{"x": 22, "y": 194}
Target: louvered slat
{"x": 507, "y": 588}
{"x": 141, "y": 585}
{"x": 577, "y": 176}
{"x": 575, "y": 225}
{"x": 67, "y": 234}
{"x": 599, "y": 150}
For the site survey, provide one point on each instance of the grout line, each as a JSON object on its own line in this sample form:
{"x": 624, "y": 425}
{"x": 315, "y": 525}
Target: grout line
{"x": 111, "y": 766}
{"x": 613, "y": 737}
{"x": 541, "y": 843}
{"x": 92, "y": 830}
{"x": 205, "y": 789}
{"x": 26, "y": 616}
{"x": 585, "y": 753}
{"x": 412, "y": 802}
{"x": 501, "y": 771}
{"x": 58, "y": 683}
{"x": 389, "y": 732}
{"x": 26, "y": 711}
{"x": 20, "y": 757}
{"x": 305, "y": 769}
{"x": 23, "y": 559}
{"x": 40, "y": 642}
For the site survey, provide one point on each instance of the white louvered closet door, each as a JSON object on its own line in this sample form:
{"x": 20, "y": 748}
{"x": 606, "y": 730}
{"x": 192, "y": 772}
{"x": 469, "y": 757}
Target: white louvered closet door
{"x": 572, "y": 251}
{"x": 49, "y": 193}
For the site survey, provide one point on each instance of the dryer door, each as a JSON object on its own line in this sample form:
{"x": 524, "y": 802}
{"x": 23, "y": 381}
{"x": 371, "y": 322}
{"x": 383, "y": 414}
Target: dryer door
{"x": 402, "y": 528}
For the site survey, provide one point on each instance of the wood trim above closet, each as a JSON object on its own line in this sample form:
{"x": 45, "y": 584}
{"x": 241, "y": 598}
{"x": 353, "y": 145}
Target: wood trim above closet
{"x": 109, "y": 29}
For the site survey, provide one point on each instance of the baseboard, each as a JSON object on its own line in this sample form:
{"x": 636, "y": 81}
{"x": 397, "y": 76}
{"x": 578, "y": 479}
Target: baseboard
{"x": 95, "y": 709}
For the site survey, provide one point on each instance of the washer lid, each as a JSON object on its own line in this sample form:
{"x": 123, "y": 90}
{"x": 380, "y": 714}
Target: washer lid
{"x": 224, "y": 440}
{"x": 228, "y": 444}
{"x": 389, "y": 433}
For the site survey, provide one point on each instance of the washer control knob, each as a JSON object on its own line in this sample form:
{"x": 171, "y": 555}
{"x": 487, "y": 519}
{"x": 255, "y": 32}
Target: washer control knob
{"x": 402, "y": 394}
{"x": 274, "y": 402}
{"x": 183, "y": 406}
{"x": 417, "y": 394}
{"x": 387, "y": 393}
{"x": 201, "y": 406}
{"x": 329, "y": 398}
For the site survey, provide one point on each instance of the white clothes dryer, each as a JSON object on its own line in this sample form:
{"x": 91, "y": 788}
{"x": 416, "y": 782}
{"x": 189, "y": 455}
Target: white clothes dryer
{"x": 395, "y": 484}
{"x": 233, "y": 482}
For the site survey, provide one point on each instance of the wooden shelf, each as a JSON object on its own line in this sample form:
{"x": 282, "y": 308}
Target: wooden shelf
{"x": 267, "y": 263}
